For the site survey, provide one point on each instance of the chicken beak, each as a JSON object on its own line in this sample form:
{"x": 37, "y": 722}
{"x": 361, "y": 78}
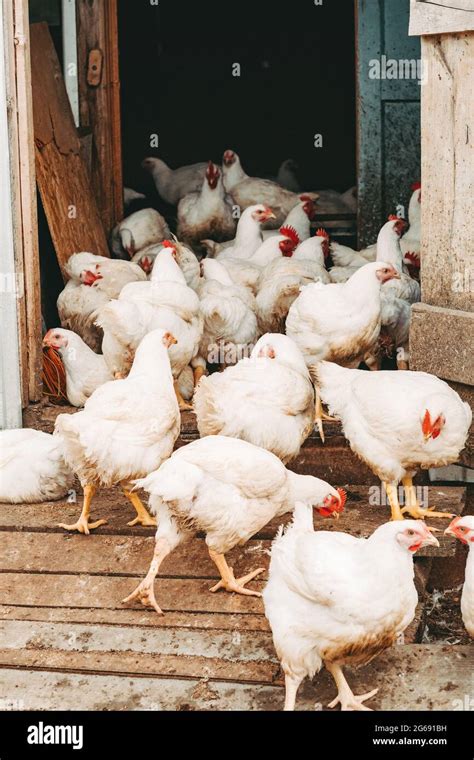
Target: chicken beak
{"x": 430, "y": 540}
{"x": 451, "y": 529}
{"x": 270, "y": 215}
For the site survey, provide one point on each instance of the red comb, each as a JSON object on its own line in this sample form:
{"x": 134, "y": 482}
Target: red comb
{"x": 322, "y": 233}
{"x": 167, "y": 244}
{"x": 413, "y": 258}
{"x": 393, "y": 218}
{"x": 290, "y": 233}
{"x": 416, "y": 186}
{"x": 306, "y": 198}
{"x": 343, "y": 496}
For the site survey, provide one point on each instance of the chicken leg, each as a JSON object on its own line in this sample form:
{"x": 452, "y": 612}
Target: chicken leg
{"x": 345, "y": 697}
{"x": 145, "y": 591}
{"x": 320, "y": 415}
{"x": 392, "y": 496}
{"x": 413, "y": 506}
{"x": 228, "y": 580}
{"x": 198, "y": 373}
{"x": 83, "y": 525}
{"x": 143, "y": 517}
{"x": 183, "y": 405}
{"x": 292, "y": 683}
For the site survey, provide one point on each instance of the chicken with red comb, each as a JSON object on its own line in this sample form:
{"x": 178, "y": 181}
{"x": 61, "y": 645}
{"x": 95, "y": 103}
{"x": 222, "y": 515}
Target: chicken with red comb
{"x": 397, "y": 422}
{"x": 334, "y": 600}
{"x": 197, "y": 490}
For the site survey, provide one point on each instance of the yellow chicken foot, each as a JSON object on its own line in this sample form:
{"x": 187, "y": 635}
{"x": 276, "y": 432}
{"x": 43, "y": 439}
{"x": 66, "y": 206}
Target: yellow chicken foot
{"x": 198, "y": 373}
{"x": 320, "y": 415}
{"x": 183, "y": 405}
{"x": 345, "y": 697}
{"x": 143, "y": 517}
{"x": 83, "y": 525}
{"x": 413, "y": 507}
{"x": 145, "y": 591}
{"x": 228, "y": 580}
{"x": 392, "y": 496}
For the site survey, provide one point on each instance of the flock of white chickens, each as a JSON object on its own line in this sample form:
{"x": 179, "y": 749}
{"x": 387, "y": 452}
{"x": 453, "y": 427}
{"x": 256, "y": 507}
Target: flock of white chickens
{"x": 288, "y": 334}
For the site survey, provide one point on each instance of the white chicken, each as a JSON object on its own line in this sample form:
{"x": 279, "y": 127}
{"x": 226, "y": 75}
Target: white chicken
{"x": 246, "y": 191}
{"x": 300, "y": 218}
{"x": 230, "y": 325}
{"x": 272, "y": 391}
{"x": 248, "y": 236}
{"x": 207, "y": 213}
{"x": 410, "y": 242}
{"x": 174, "y": 184}
{"x": 32, "y": 467}
{"x": 130, "y": 196}
{"x": 166, "y": 302}
{"x": 282, "y": 279}
{"x": 462, "y": 528}
{"x": 137, "y": 231}
{"x": 125, "y": 431}
{"x": 186, "y": 259}
{"x": 335, "y": 599}
{"x": 397, "y": 422}
{"x": 85, "y": 370}
{"x": 340, "y": 322}
{"x": 94, "y": 280}
{"x": 197, "y": 490}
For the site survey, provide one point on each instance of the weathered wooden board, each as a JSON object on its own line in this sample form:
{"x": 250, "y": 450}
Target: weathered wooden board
{"x": 445, "y": 672}
{"x": 72, "y": 214}
{"x": 441, "y": 16}
{"x": 118, "y": 555}
{"x": 107, "y": 592}
{"x": 138, "y": 616}
{"x": 362, "y": 515}
{"x": 447, "y": 172}
{"x": 100, "y": 103}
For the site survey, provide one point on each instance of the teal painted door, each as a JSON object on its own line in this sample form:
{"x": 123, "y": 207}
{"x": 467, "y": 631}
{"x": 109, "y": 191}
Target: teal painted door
{"x": 388, "y": 102}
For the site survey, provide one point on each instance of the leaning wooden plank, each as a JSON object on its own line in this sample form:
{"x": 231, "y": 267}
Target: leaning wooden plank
{"x": 72, "y": 214}
{"x": 139, "y": 617}
{"x": 446, "y": 674}
{"x": 29, "y": 224}
{"x": 118, "y": 555}
{"x": 98, "y": 591}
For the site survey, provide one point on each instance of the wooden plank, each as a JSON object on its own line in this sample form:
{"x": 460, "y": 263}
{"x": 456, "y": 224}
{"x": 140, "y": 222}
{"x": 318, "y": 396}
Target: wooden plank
{"x": 73, "y": 218}
{"x": 15, "y": 197}
{"x": 94, "y": 591}
{"x": 100, "y": 105}
{"x": 364, "y": 512}
{"x": 448, "y": 172}
{"x": 238, "y": 656}
{"x": 441, "y": 16}
{"x": 29, "y": 221}
{"x": 114, "y": 555}
{"x": 138, "y": 617}
{"x": 444, "y": 671}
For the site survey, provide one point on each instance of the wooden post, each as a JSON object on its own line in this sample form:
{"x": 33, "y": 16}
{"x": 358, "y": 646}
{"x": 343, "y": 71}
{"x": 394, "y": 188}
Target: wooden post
{"x": 99, "y": 98}
{"x": 29, "y": 228}
{"x": 10, "y": 275}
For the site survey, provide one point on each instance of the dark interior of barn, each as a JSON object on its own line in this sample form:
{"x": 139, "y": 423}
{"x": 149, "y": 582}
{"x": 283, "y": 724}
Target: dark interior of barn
{"x": 178, "y": 88}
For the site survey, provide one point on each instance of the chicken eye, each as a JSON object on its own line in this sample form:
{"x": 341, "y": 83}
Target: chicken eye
{"x": 410, "y": 532}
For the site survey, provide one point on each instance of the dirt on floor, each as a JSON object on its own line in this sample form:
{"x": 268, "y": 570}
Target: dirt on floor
{"x": 443, "y": 621}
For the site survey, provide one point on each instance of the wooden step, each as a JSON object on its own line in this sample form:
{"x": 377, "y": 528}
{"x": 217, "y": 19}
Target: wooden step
{"x": 91, "y": 667}
{"x": 333, "y": 460}
{"x": 362, "y": 515}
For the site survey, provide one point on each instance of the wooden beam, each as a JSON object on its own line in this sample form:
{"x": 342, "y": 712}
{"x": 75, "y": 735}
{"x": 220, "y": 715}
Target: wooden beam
{"x": 72, "y": 214}
{"x": 447, "y": 149}
{"x": 440, "y": 16}
{"x": 10, "y": 274}
{"x": 99, "y": 98}
{"x": 29, "y": 221}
